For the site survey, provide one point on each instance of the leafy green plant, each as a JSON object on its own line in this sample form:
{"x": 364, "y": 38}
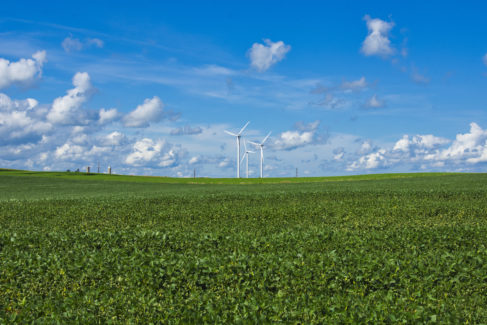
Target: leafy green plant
{"x": 379, "y": 250}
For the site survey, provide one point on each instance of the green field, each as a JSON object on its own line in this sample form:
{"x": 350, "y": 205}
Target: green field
{"x": 392, "y": 248}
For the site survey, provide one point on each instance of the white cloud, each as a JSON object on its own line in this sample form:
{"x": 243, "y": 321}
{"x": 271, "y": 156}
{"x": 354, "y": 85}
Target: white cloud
{"x": 95, "y": 42}
{"x": 194, "y": 160}
{"x": 18, "y": 126}
{"x": 304, "y": 134}
{"x": 471, "y": 146}
{"x": 7, "y": 104}
{"x": 71, "y": 152}
{"x": 144, "y": 151}
{"x": 377, "y": 41}
{"x": 80, "y": 138}
{"x": 23, "y": 71}
{"x": 370, "y": 161}
{"x": 114, "y": 139}
{"x": 148, "y": 112}
{"x": 263, "y": 56}
{"x": 366, "y": 147}
{"x": 65, "y": 110}
{"x": 429, "y": 151}
{"x": 355, "y": 84}
{"x": 107, "y": 115}
{"x": 416, "y": 142}
{"x": 147, "y": 152}
{"x": 71, "y": 44}
{"x": 293, "y": 139}
{"x": 375, "y": 102}
{"x": 19, "y": 122}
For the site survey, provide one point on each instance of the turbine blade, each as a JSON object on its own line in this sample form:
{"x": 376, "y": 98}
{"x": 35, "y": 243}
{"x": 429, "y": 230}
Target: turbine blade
{"x": 243, "y": 128}
{"x": 254, "y": 143}
{"x": 231, "y": 133}
{"x": 243, "y": 157}
{"x": 245, "y": 145}
{"x": 266, "y": 138}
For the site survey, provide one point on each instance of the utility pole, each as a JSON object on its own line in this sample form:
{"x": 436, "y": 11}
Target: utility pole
{"x": 194, "y": 173}
{"x": 98, "y": 166}
{"x": 296, "y": 172}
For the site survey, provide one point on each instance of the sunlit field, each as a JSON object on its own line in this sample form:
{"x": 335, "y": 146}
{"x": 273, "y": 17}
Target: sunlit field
{"x": 372, "y": 248}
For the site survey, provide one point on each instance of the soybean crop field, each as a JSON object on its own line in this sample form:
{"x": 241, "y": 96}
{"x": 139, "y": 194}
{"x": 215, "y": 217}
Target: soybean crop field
{"x": 397, "y": 248}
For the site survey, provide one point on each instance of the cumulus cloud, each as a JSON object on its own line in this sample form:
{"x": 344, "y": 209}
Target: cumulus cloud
{"x": 186, "y": 130}
{"x": 366, "y": 147}
{"x": 293, "y": 139}
{"x": 147, "y": 152}
{"x": 65, "y": 136}
{"x": 107, "y": 115}
{"x": 377, "y": 41}
{"x": 65, "y": 110}
{"x": 7, "y": 104}
{"x": 304, "y": 135}
{"x": 263, "y": 56}
{"x": 471, "y": 146}
{"x": 79, "y": 136}
{"x": 419, "y": 142}
{"x": 370, "y": 161}
{"x": 374, "y": 102}
{"x": 23, "y": 71}
{"x": 355, "y": 84}
{"x": 114, "y": 139}
{"x": 71, "y": 44}
{"x": 19, "y": 122}
{"x": 429, "y": 151}
{"x": 69, "y": 151}
{"x": 151, "y": 111}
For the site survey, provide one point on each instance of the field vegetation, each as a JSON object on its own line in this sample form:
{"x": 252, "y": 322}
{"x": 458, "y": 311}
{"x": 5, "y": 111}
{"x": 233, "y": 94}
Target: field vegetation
{"x": 123, "y": 249}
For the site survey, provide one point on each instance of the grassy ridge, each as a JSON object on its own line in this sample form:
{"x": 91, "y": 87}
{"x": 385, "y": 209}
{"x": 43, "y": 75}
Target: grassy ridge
{"x": 380, "y": 250}
{"x": 178, "y": 180}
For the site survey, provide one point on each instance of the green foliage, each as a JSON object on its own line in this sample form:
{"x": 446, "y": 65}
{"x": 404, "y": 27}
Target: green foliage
{"x": 387, "y": 249}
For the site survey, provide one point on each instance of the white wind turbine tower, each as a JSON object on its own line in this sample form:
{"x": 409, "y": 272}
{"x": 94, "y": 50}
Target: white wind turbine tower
{"x": 238, "y": 135}
{"x": 261, "y": 146}
{"x": 246, "y": 155}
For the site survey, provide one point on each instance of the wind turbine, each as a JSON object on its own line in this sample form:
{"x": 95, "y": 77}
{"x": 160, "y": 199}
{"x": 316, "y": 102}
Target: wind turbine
{"x": 238, "y": 135}
{"x": 261, "y": 145}
{"x": 246, "y": 154}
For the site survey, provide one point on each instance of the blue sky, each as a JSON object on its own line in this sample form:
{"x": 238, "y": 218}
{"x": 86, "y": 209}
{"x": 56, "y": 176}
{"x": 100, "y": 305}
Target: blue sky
{"x": 149, "y": 88}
